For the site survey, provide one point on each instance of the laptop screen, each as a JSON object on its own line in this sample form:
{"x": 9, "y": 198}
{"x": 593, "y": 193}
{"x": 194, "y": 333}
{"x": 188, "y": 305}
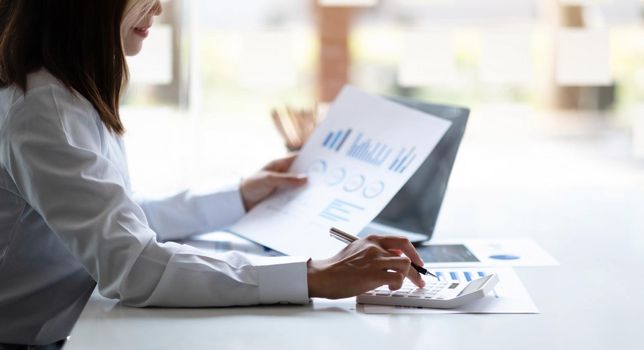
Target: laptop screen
{"x": 416, "y": 206}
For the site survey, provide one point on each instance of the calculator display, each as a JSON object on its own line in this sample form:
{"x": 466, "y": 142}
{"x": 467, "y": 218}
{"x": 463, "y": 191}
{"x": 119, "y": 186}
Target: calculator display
{"x": 475, "y": 285}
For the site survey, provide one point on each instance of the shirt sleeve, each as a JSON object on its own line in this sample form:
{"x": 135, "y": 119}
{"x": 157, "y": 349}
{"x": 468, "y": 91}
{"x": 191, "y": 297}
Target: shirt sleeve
{"x": 189, "y": 212}
{"x": 55, "y": 148}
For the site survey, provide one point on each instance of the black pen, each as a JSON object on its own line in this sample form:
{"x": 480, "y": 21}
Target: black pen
{"x": 348, "y": 238}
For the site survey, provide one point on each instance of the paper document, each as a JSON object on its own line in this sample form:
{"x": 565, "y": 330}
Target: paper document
{"x": 357, "y": 159}
{"x": 485, "y": 252}
{"x": 509, "y": 296}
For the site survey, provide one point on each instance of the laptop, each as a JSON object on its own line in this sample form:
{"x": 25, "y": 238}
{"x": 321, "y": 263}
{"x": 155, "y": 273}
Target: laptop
{"x": 414, "y": 211}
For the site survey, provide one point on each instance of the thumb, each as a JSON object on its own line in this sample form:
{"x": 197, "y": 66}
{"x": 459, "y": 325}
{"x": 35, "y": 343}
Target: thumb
{"x": 282, "y": 164}
{"x": 287, "y": 179}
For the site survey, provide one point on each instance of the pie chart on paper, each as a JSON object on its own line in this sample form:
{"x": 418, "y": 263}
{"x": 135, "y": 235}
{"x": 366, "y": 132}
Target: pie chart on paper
{"x": 504, "y": 257}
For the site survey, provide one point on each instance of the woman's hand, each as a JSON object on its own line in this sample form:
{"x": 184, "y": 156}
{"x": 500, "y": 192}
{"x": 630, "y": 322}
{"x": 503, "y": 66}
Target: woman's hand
{"x": 364, "y": 265}
{"x": 272, "y": 177}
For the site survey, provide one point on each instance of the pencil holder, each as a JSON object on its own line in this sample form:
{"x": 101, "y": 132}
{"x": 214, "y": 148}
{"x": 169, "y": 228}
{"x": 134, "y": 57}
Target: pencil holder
{"x": 295, "y": 125}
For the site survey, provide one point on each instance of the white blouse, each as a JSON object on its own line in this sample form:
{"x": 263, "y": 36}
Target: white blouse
{"x": 69, "y": 221}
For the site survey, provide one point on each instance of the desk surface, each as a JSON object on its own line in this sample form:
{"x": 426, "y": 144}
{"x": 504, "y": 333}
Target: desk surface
{"x": 597, "y": 236}
{"x": 578, "y": 197}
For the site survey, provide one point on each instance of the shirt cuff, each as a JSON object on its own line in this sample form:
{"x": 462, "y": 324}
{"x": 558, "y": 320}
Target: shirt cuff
{"x": 282, "y": 280}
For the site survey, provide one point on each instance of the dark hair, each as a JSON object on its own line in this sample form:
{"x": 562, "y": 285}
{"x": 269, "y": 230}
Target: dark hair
{"x": 77, "y": 41}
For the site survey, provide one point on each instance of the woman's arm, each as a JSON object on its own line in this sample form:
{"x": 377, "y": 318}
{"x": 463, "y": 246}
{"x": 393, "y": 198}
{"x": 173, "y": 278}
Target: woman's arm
{"x": 188, "y": 213}
{"x": 53, "y": 147}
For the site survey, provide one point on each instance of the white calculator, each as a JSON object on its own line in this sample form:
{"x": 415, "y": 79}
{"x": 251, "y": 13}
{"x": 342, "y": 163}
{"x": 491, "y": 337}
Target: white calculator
{"x": 436, "y": 294}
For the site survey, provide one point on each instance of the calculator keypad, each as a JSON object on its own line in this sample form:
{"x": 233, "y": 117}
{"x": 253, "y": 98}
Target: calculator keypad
{"x": 439, "y": 294}
{"x": 408, "y": 290}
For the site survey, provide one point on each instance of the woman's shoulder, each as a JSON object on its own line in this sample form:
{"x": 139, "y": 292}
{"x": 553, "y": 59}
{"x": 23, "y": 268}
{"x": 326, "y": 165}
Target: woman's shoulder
{"x": 40, "y": 79}
{"x": 47, "y": 104}
{"x": 44, "y": 90}
{"x": 42, "y": 86}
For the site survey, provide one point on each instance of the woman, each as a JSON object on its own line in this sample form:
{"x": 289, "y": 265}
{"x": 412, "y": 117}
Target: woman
{"x": 68, "y": 220}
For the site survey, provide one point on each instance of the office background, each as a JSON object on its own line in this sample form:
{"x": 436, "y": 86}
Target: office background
{"x": 556, "y": 86}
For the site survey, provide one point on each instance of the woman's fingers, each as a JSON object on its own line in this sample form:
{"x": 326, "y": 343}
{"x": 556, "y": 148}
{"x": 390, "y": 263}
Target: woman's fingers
{"x": 402, "y": 265}
{"x": 416, "y": 278}
{"x": 399, "y": 243}
{"x": 397, "y": 263}
{"x": 393, "y": 279}
{"x": 286, "y": 179}
{"x": 282, "y": 164}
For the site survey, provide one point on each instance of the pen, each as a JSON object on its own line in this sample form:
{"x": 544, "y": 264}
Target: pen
{"x": 348, "y": 238}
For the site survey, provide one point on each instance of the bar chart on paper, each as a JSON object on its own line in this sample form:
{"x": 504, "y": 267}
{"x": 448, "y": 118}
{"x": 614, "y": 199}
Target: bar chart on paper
{"x": 336, "y": 139}
{"x": 402, "y": 161}
{"x": 369, "y": 151}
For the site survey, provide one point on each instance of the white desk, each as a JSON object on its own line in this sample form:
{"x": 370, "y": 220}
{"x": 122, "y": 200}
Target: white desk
{"x": 578, "y": 309}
